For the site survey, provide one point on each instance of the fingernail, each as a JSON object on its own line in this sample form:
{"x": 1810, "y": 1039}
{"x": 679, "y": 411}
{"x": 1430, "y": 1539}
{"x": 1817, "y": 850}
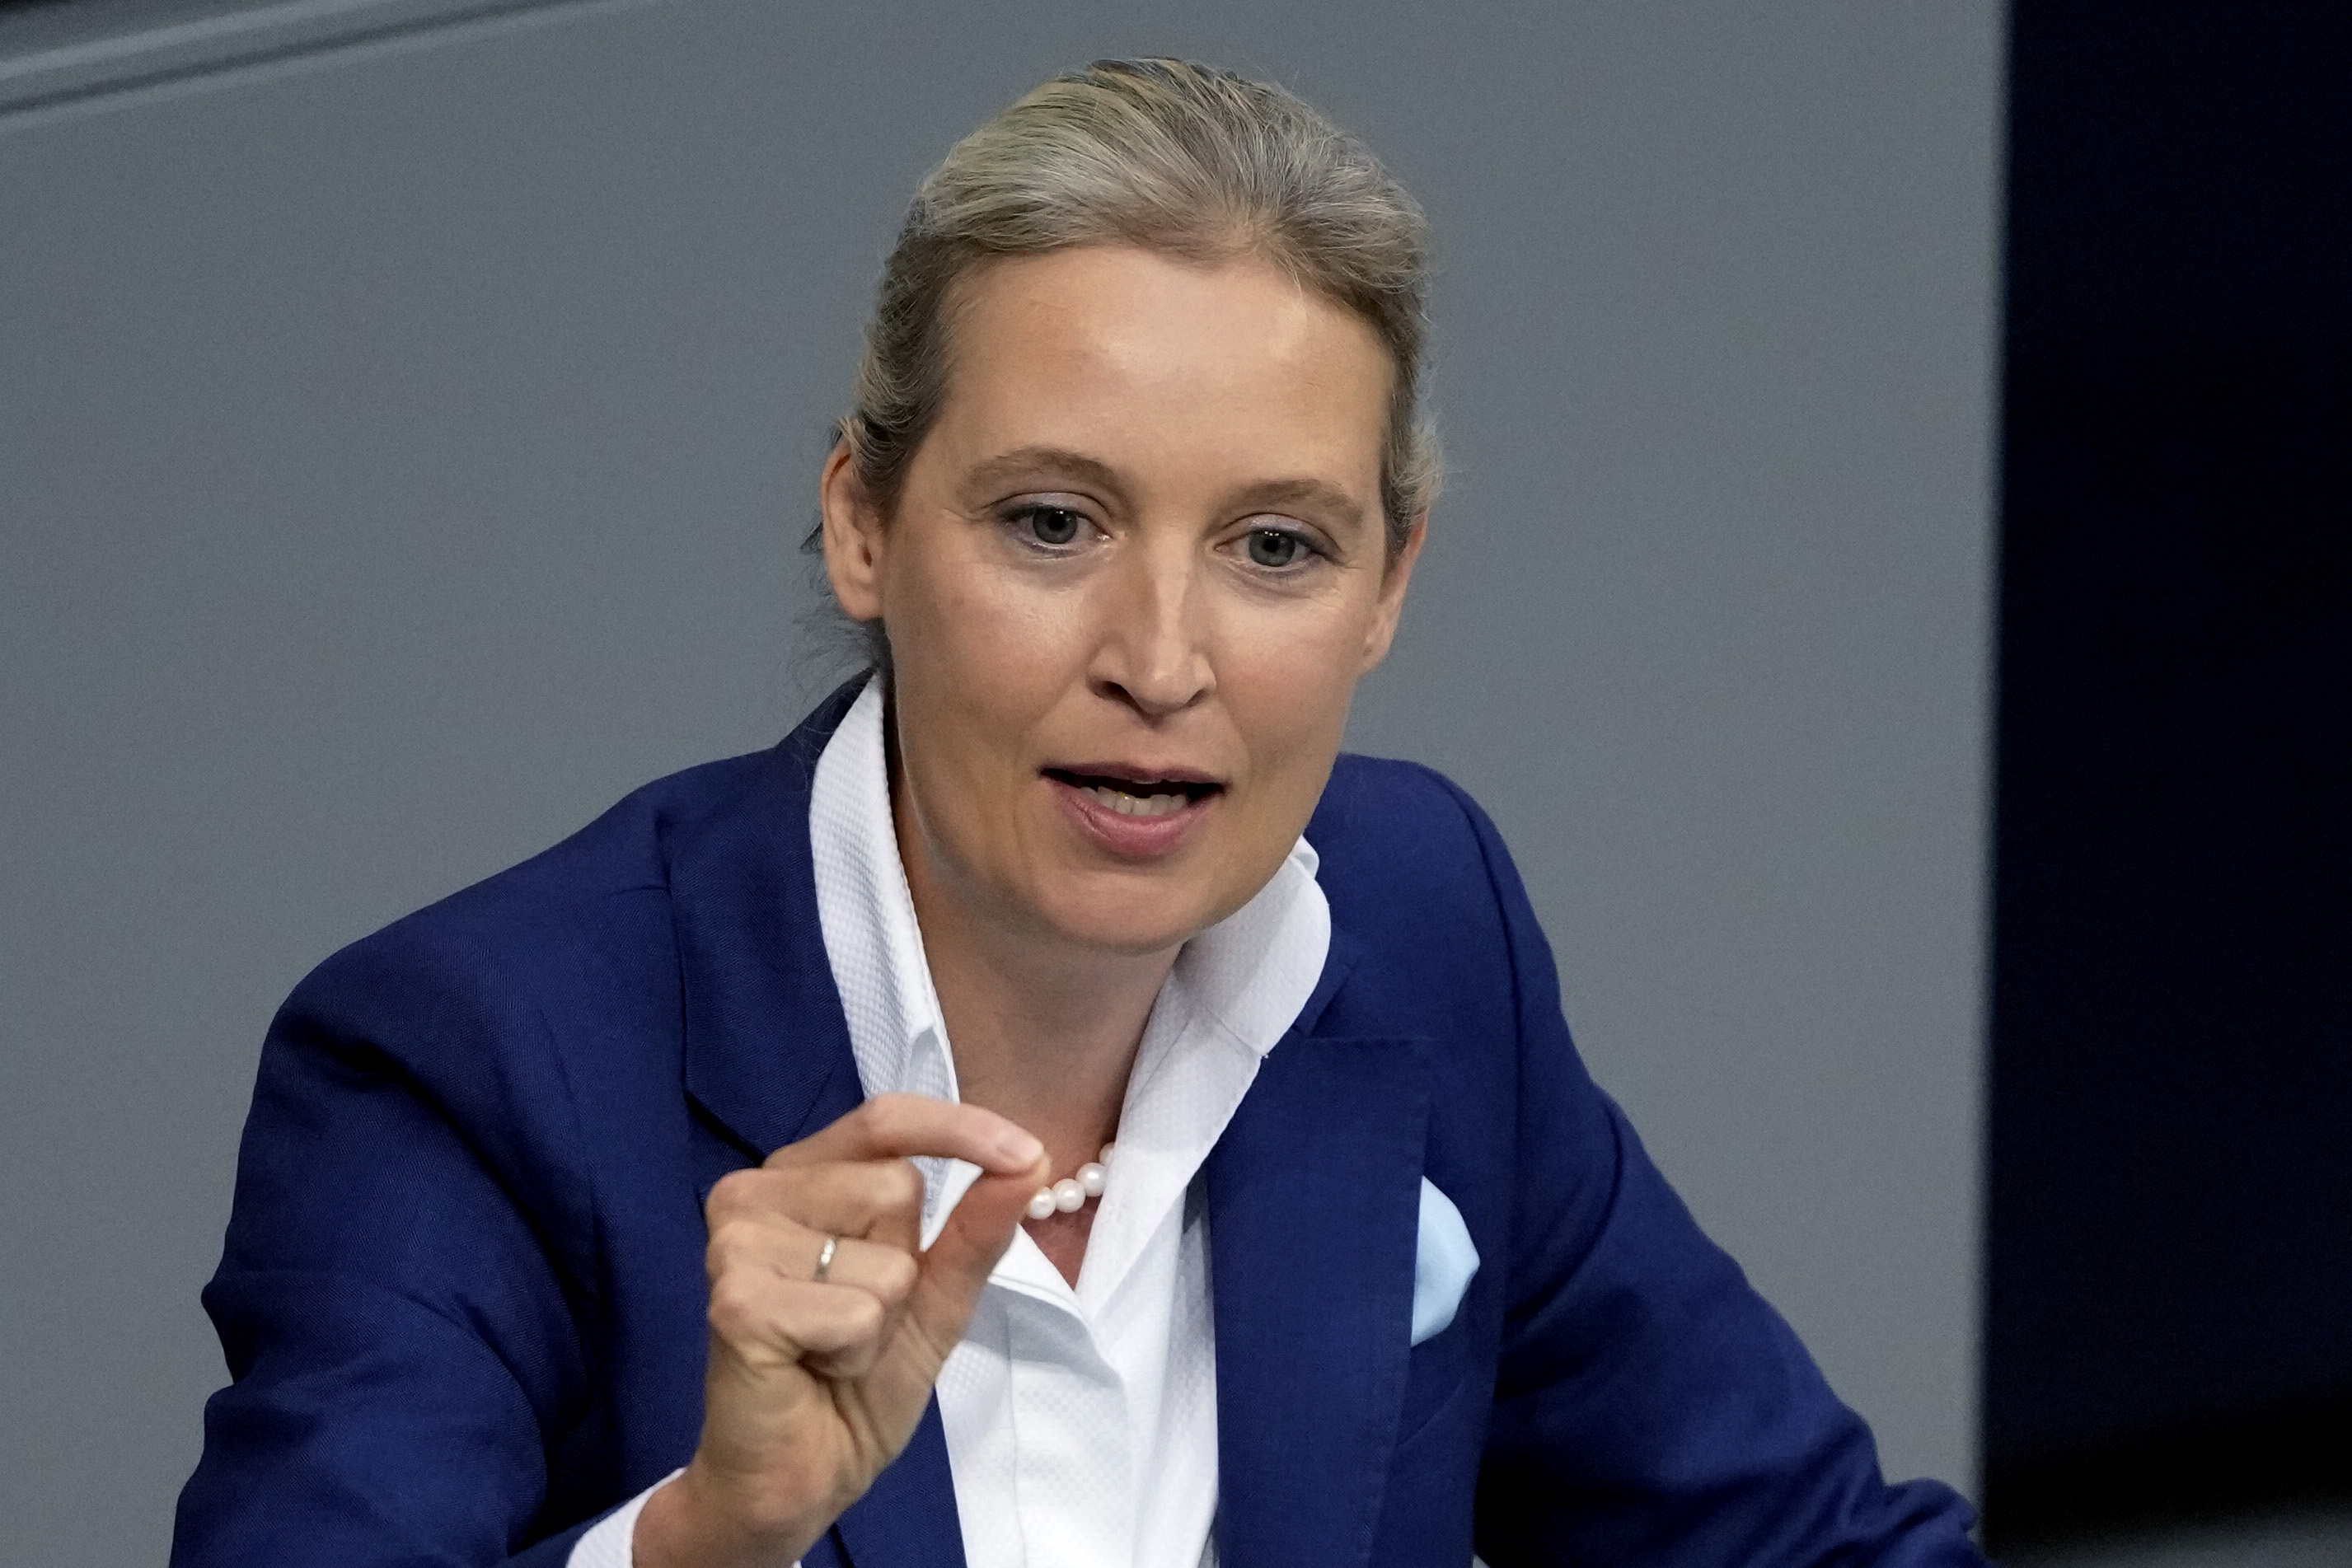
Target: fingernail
{"x": 1020, "y": 1148}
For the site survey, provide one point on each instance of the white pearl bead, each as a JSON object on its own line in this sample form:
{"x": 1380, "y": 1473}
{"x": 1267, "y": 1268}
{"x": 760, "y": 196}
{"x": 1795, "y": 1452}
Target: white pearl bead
{"x": 1104, "y": 1157}
{"x": 1091, "y": 1178}
{"x": 1042, "y": 1204}
{"x": 1068, "y": 1196}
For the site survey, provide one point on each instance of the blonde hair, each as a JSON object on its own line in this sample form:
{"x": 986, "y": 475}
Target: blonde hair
{"x": 1177, "y": 158}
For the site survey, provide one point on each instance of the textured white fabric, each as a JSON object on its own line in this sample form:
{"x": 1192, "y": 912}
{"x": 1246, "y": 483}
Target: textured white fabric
{"x": 1444, "y": 1259}
{"x": 611, "y": 1542}
{"x": 1081, "y": 1423}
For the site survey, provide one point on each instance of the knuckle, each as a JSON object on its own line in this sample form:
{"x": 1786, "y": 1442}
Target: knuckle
{"x": 899, "y": 1186}
{"x": 733, "y": 1241}
{"x": 737, "y": 1306}
{"x": 733, "y": 1194}
{"x": 862, "y": 1316}
{"x": 722, "y": 1199}
{"x": 894, "y": 1277}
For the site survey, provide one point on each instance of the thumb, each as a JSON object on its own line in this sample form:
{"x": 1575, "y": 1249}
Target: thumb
{"x": 969, "y": 1245}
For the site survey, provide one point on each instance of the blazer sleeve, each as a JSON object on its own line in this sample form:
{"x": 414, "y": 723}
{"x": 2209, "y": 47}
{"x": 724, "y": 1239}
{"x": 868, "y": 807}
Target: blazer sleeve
{"x": 1650, "y": 1406}
{"x": 392, "y": 1297}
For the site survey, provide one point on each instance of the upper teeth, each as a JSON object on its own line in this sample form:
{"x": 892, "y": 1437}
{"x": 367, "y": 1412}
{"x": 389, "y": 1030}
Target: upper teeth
{"x": 1128, "y": 804}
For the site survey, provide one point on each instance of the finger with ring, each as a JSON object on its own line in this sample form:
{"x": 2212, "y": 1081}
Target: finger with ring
{"x": 878, "y": 1199}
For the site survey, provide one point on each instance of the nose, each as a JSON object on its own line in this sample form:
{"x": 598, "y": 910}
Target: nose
{"x": 1151, "y": 652}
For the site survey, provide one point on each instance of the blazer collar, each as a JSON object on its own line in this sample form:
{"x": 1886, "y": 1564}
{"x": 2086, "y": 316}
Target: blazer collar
{"x": 1313, "y": 1194}
{"x": 768, "y": 1053}
{"x": 768, "y": 1058}
{"x": 767, "y": 1048}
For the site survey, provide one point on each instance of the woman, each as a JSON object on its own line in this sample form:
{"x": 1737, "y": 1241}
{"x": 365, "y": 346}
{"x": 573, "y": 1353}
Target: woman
{"x": 1051, "y": 1108}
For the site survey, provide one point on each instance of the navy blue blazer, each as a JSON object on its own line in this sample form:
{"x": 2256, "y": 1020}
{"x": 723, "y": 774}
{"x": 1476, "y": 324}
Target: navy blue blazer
{"x": 462, "y": 1293}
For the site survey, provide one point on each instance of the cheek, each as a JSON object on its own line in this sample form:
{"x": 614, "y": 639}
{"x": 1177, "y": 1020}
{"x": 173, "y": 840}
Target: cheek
{"x": 1288, "y": 682}
{"x": 956, "y": 623}
{"x": 981, "y": 662}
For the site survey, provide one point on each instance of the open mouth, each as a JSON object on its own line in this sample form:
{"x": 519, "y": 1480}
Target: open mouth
{"x": 1136, "y": 797}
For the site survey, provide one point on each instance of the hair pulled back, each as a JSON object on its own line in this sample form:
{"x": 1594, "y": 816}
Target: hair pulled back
{"x": 1175, "y": 157}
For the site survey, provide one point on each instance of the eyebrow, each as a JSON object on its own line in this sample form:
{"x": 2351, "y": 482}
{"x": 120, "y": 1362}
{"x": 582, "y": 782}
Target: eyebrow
{"x": 1025, "y": 462}
{"x": 1315, "y": 493}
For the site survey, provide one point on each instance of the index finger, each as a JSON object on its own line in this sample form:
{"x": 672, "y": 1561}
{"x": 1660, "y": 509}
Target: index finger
{"x": 902, "y": 1127}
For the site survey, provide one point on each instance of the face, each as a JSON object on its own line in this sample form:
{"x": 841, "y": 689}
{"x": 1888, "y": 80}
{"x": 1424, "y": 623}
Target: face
{"x": 1135, "y": 572}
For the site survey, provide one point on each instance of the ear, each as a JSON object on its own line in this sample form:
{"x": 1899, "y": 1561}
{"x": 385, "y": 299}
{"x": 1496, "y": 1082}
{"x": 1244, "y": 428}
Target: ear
{"x": 854, "y": 538}
{"x": 1382, "y": 631}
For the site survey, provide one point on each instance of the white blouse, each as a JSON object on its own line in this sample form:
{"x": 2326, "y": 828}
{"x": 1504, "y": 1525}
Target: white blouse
{"x": 1081, "y": 1423}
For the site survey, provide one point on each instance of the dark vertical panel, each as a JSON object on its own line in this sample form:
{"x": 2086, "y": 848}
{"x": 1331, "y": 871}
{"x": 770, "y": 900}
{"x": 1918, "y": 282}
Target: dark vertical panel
{"x": 2169, "y": 1314}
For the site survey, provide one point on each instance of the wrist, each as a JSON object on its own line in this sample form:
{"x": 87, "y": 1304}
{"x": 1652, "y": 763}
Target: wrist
{"x": 699, "y": 1521}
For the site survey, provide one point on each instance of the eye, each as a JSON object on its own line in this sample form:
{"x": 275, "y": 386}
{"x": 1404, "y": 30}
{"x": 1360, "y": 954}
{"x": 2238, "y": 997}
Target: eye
{"x": 1275, "y": 549}
{"x": 1050, "y": 524}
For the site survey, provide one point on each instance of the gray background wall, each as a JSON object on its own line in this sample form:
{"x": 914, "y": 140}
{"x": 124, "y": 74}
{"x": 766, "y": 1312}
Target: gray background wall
{"x": 402, "y": 447}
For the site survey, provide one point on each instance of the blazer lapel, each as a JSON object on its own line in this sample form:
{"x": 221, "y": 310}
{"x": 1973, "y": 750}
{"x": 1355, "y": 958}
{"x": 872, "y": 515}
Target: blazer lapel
{"x": 768, "y": 1058}
{"x": 1313, "y": 1198}
{"x": 908, "y": 1517}
{"x": 767, "y": 1046}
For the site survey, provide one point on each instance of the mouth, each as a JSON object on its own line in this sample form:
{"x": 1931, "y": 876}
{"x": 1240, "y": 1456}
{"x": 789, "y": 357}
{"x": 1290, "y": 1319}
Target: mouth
{"x": 1148, "y": 795}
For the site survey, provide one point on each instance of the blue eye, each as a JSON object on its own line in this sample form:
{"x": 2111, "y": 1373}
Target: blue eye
{"x": 1273, "y": 548}
{"x": 1051, "y": 525}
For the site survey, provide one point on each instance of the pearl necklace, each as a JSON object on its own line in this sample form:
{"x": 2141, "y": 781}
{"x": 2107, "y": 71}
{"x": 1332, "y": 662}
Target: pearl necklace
{"x": 1070, "y": 1194}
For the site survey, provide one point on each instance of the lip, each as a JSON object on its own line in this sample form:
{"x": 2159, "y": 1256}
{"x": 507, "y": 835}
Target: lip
{"x": 1133, "y": 838}
{"x": 1127, "y": 768}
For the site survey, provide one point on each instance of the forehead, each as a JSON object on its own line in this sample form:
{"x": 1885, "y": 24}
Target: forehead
{"x": 1149, "y": 361}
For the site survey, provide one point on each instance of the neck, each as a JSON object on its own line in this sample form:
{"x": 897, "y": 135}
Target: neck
{"x": 1042, "y": 1032}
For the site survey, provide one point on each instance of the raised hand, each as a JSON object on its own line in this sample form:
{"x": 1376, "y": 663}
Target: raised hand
{"x": 816, "y": 1385}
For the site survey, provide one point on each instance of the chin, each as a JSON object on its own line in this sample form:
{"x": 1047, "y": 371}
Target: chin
{"x": 1129, "y": 921}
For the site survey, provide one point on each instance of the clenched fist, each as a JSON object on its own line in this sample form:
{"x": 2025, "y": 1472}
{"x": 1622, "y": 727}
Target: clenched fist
{"x": 816, "y": 1385}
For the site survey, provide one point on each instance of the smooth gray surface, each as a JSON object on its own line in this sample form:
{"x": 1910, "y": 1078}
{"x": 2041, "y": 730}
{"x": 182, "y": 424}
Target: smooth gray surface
{"x": 402, "y": 454}
{"x": 56, "y": 53}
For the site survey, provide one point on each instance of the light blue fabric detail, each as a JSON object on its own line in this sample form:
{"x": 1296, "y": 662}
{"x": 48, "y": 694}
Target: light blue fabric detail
{"x": 1443, "y": 1262}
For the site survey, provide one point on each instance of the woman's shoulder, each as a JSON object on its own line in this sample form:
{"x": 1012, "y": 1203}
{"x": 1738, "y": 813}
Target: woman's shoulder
{"x": 1417, "y": 875}
{"x": 736, "y": 828}
{"x": 630, "y": 847}
{"x": 1396, "y": 827}
{"x": 582, "y": 923}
